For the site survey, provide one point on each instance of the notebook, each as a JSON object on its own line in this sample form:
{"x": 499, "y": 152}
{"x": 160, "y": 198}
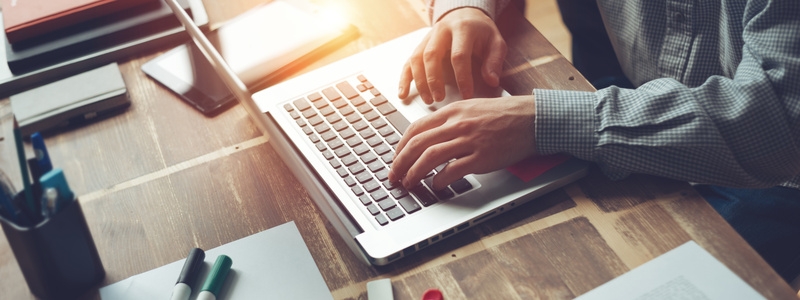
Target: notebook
{"x": 337, "y": 128}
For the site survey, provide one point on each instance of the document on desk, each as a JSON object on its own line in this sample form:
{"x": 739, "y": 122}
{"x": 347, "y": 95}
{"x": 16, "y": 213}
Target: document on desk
{"x": 688, "y": 272}
{"x": 273, "y": 264}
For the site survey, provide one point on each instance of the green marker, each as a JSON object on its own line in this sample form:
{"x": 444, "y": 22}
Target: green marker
{"x": 216, "y": 278}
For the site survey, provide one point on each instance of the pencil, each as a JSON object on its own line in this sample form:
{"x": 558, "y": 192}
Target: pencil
{"x": 26, "y": 180}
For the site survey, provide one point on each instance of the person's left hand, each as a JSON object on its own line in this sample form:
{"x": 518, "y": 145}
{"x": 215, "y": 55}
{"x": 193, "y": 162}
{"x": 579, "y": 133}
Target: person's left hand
{"x": 482, "y": 135}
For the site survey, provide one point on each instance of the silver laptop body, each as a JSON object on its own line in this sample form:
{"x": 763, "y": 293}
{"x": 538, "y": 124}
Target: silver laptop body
{"x": 341, "y": 155}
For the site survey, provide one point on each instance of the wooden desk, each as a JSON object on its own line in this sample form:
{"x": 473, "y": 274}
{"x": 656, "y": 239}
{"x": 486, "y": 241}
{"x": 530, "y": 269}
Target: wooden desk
{"x": 161, "y": 178}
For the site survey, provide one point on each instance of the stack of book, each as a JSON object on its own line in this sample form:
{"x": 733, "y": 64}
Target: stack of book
{"x": 41, "y": 33}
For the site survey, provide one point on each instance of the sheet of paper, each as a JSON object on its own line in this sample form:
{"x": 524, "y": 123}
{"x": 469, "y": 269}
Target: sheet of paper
{"x": 272, "y": 264}
{"x": 687, "y": 272}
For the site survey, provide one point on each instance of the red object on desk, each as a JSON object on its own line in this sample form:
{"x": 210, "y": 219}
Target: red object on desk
{"x": 533, "y": 166}
{"x": 432, "y": 294}
{"x": 24, "y": 19}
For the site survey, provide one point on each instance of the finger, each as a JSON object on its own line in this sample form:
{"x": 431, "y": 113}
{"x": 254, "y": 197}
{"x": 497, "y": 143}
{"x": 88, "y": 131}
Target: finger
{"x": 405, "y": 82}
{"x": 432, "y": 157}
{"x": 455, "y": 170}
{"x": 493, "y": 63}
{"x": 417, "y": 66}
{"x": 435, "y": 51}
{"x": 415, "y": 148}
{"x": 461, "y": 58}
{"x": 423, "y": 124}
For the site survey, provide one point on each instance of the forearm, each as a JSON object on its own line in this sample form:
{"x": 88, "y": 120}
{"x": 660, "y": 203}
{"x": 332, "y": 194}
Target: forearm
{"x": 726, "y": 132}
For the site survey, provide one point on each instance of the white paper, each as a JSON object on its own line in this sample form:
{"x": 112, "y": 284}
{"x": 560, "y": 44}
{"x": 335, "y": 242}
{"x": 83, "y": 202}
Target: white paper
{"x": 272, "y": 264}
{"x": 687, "y": 272}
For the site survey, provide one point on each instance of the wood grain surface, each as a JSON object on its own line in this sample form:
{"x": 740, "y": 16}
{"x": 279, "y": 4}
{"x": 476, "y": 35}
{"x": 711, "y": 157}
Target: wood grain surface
{"x": 161, "y": 178}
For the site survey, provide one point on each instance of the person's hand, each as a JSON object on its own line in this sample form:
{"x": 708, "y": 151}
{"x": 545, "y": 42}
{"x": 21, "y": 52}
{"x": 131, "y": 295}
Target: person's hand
{"x": 482, "y": 135}
{"x": 461, "y": 35}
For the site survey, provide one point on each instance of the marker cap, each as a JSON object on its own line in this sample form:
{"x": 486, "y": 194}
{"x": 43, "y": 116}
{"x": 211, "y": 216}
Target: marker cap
{"x": 192, "y": 266}
{"x": 217, "y": 275}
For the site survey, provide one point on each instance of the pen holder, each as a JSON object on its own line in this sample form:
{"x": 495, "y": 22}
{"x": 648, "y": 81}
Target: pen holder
{"x": 58, "y": 257}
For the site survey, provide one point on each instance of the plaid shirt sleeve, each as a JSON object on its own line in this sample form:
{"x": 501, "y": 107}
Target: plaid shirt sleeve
{"x": 718, "y": 102}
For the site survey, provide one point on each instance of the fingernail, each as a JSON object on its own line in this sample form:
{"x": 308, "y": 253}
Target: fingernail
{"x": 400, "y": 91}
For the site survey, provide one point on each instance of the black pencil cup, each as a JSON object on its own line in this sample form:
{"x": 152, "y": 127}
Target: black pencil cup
{"x": 58, "y": 257}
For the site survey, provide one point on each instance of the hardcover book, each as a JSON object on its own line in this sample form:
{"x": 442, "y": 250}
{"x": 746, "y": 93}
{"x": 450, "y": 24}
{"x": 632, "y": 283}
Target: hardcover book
{"x": 29, "y": 18}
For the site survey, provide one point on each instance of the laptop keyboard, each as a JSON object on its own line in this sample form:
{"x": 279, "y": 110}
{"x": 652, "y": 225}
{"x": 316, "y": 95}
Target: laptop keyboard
{"x": 358, "y": 138}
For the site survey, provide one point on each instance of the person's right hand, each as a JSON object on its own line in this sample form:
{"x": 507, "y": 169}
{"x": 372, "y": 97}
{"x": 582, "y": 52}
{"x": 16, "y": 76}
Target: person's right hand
{"x": 461, "y": 35}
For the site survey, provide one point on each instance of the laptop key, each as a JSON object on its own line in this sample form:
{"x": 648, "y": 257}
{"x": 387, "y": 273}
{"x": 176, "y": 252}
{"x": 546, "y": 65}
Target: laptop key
{"x": 356, "y": 168}
{"x": 301, "y": 104}
{"x": 409, "y": 204}
{"x": 328, "y": 136}
{"x": 379, "y": 195}
{"x": 371, "y": 115}
{"x": 288, "y": 107}
{"x": 461, "y": 186}
{"x": 361, "y": 88}
{"x": 395, "y": 213}
{"x": 361, "y": 149}
{"x": 374, "y": 141}
{"x": 363, "y": 177}
{"x": 382, "y": 175}
{"x": 341, "y": 152}
{"x": 322, "y": 127}
{"x": 347, "y": 133}
{"x": 388, "y": 158}
{"x": 381, "y": 219}
{"x": 362, "y": 78}
{"x": 349, "y": 160}
{"x": 321, "y": 146}
{"x": 314, "y": 138}
{"x": 335, "y": 143}
{"x": 364, "y": 108}
{"x": 346, "y": 110}
{"x": 398, "y": 193}
{"x": 375, "y": 166}
{"x": 315, "y": 120}
{"x": 386, "y": 131}
{"x": 295, "y": 115}
{"x": 373, "y": 209}
{"x": 367, "y": 133}
{"x": 340, "y": 125}
{"x": 320, "y": 104}
{"x": 335, "y": 163}
{"x": 342, "y": 172}
{"x": 393, "y": 139}
{"x": 442, "y": 194}
{"x": 386, "y": 108}
{"x": 328, "y": 155}
{"x": 386, "y": 204}
{"x": 331, "y": 94}
{"x": 353, "y": 141}
{"x": 358, "y": 101}
{"x": 398, "y": 121}
{"x": 360, "y": 125}
{"x": 382, "y": 149}
{"x": 378, "y": 100}
{"x": 379, "y": 123}
{"x": 364, "y": 200}
{"x": 314, "y": 96}
{"x": 307, "y": 130}
{"x": 347, "y": 90}
{"x": 308, "y": 114}
{"x": 349, "y": 181}
{"x": 327, "y": 110}
{"x": 369, "y": 157}
{"x": 425, "y": 197}
{"x": 371, "y": 185}
{"x": 357, "y": 190}
{"x": 339, "y": 103}
{"x": 333, "y": 118}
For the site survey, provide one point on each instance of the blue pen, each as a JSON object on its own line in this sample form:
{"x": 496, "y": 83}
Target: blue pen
{"x": 40, "y": 151}
{"x": 26, "y": 181}
{"x": 55, "y": 180}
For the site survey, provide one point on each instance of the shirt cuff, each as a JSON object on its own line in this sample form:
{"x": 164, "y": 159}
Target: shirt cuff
{"x": 442, "y": 7}
{"x": 566, "y": 122}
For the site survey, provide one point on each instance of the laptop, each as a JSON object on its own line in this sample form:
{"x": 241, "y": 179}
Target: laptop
{"x": 336, "y": 128}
